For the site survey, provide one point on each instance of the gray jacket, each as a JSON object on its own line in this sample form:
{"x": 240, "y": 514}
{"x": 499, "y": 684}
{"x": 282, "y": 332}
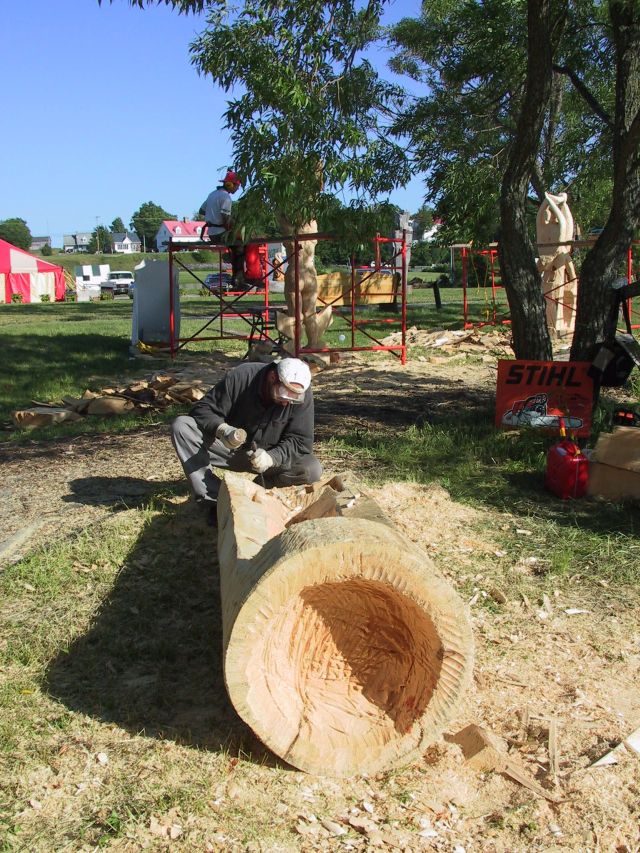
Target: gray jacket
{"x": 285, "y": 431}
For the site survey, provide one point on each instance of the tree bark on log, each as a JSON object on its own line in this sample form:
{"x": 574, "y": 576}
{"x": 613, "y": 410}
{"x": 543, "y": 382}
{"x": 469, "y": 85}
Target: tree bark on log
{"x": 344, "y": 650}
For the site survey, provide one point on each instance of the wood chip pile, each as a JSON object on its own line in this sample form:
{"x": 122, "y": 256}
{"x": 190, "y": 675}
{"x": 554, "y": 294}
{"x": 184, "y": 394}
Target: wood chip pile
{"x": 454, "y": 341}
{"x": 158, "y": 392}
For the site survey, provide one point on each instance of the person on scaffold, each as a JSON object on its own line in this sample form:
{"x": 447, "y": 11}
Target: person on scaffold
{"x": 217, "y": 213}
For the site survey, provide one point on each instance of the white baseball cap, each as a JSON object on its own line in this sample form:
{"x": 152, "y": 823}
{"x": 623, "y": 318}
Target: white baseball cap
{"x": 293, "y": 371}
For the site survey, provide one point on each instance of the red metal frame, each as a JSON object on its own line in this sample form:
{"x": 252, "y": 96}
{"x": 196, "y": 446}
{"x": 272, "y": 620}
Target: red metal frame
{"x": 227, "y": 307}
{"x": 466, "y": 253}
{"x": 230, "y": 309}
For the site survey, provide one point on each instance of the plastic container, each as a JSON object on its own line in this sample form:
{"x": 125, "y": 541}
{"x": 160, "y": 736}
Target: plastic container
{"x": 150, "y": 315}
{"x": 567, "y": 470}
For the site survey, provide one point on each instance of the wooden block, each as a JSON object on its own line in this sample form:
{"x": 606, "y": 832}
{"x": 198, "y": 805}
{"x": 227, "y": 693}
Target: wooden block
{"x": 620, "y": 448}
{"x": 42, "y": 416}
{"x": 482, "y": 750}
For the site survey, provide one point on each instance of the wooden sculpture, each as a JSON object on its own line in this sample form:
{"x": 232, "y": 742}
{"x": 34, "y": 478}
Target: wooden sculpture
{"x": 344, "y": 650}
{"x": 554, "y": 233}
{"x": 315, "y": 322}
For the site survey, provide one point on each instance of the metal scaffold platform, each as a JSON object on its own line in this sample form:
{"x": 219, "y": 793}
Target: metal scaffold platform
{"x": 251, "y": 313}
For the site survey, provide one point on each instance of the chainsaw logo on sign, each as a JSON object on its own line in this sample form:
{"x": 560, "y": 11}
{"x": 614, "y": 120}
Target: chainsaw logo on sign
{"x": 534, "y": 412}
{"x": 541, "y": 394}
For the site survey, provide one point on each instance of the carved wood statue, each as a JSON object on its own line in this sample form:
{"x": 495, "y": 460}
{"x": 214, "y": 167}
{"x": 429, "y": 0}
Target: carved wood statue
{"x": 344, "y": 650}
{"x": 554, "y": 234}
{"x": 315, "y": 322}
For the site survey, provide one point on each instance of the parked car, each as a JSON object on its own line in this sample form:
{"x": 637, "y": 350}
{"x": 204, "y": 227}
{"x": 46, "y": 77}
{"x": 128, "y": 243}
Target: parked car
{"x": 218, "y": 283}
{"x": 118, "y": 282}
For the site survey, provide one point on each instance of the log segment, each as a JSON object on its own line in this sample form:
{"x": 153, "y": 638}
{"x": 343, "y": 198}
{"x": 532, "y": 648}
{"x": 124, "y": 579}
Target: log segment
{"x": 344, "y": 650}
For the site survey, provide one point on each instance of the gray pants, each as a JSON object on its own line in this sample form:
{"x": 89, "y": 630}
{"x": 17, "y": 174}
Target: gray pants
{"x": 197, "y": 461}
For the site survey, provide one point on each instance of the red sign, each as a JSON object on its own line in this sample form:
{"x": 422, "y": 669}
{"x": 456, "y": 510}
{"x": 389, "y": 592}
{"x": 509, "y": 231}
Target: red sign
{"x": 538, "y": 393}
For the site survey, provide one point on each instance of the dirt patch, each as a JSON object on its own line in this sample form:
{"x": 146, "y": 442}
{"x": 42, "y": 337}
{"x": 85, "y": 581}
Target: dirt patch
{"x": 537, "y": 667}
{"x": 53, "y": 488}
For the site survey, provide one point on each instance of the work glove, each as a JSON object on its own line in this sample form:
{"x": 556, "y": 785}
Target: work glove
{"x": 260, "y": 460}
{"x": 232, "y": 437}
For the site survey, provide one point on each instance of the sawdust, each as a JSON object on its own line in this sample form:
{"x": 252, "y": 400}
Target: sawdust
{"x": 582, "y": 671}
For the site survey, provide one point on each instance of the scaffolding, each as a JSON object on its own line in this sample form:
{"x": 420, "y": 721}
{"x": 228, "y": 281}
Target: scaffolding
{"x": 260, "y": 315}
{"x": 499, "y": 315}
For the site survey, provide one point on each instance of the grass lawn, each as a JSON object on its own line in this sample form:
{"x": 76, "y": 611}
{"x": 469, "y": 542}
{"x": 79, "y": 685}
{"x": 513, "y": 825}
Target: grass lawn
{"x": 116, "y": 731}
{"x": 53, "y": 350}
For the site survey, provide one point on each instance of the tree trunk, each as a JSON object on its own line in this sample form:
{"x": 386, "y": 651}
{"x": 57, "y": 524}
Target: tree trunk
{"x": 517, "y": 259}
{"x": 343, "y": 649}
{"x": 596, "y": 315}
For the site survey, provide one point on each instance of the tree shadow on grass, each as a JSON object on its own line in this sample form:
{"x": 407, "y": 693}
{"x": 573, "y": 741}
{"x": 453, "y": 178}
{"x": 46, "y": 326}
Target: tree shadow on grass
{"x": 152, "y": 660}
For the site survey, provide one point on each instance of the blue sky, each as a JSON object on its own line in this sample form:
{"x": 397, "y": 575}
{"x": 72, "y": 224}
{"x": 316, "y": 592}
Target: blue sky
{"x": 103, "y": 111}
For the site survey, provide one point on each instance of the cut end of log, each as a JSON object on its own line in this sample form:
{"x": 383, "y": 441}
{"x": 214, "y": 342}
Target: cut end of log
{"x": 345, "y": 651}
{"x": 348, "y": 667}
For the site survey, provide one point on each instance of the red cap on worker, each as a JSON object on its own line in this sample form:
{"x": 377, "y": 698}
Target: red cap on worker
{"x": 293, "y": 371}
{"x": 232, "y": 178}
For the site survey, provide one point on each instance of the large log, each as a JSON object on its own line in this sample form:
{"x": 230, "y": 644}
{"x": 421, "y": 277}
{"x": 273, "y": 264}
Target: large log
{"x": 344, "y": 650}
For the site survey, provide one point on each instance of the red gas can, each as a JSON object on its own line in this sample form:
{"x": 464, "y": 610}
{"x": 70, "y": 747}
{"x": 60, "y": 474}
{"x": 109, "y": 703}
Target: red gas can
{"x": 567, "y": 470}
{"x": 255, "y": 265}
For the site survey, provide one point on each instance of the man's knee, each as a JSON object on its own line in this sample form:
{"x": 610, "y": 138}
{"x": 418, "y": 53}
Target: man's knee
{"x": 181, "y": 425}
{"x": 185, "y": 427}
{"x": 186, "y": 436}
{"x": 306, "y": 470}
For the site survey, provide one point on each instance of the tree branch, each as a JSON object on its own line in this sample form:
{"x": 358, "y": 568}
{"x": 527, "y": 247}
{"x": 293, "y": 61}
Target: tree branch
{"x": 586, "y": 95}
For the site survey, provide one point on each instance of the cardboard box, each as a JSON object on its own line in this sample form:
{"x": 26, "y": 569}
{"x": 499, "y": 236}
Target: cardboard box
{"x": 614, "y": 469}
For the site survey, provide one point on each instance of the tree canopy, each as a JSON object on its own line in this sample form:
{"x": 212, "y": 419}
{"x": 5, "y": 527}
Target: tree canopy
{"x": 117, "y": 226}
{"x": 472, "y": 59}
{"x": 100, "y": 241}
{"x": 16, "y": 232}
{"x": 306, "y": 111}
{"x": 147, "y": 220}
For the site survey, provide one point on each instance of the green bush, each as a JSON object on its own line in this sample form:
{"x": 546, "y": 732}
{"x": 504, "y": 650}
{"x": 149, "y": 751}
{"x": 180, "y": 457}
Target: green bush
{"x": 46, "y": 250}
{"x": 106, "y": 296}
{"x": 17, "y": 298}
{"x": 45, "y": 298}
{"x": 70, "y": 296}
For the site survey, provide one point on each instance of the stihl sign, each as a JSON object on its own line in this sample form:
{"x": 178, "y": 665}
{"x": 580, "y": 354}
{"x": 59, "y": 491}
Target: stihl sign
{"x": 538, "y": 393}
{"x": 546, "y": 374}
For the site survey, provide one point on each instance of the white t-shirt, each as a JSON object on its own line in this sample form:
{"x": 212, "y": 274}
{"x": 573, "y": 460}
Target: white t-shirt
{"x": 217, "y": 205}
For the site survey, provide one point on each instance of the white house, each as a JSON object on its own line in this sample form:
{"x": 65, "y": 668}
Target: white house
{"x": 125, "y": 242}
{"x": 178, "y": 231}
{"x": 430, "y": 233}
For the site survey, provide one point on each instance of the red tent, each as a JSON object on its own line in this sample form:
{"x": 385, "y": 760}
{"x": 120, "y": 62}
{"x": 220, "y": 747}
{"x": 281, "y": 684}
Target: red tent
{"x": 23, "y": 273}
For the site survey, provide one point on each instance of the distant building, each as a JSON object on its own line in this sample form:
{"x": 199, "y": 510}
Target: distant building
{"x": 125, "y": 242}
{"x": 430, "y": 233}
{"x": 76, "y": 242}
{"x": 92, "y": 273}
{"x": 38, "y": 243}
{"x": 184, "y": 231}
